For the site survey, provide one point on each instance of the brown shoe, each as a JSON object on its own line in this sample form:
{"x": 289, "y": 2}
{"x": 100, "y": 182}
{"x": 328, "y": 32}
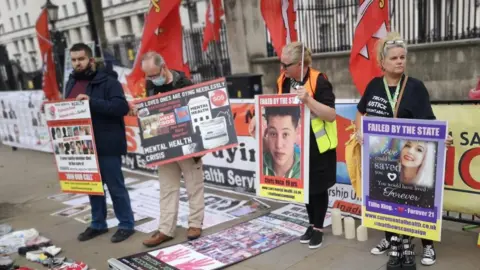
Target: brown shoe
{"x": 194, "y": 233}
{"x": 156, "y": 239}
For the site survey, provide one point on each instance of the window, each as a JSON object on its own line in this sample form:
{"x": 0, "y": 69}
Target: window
{"x": 32, "y": 44}
{"x": 16, "y": 3}
{"x": 128, "y": 25}
{"x": 193, "y": 13}
{"x": 141, "y": 20}
{"x": 24, "y": 45}
{"x": 16, "y": 46}
{"x": 113, "y": 27}
{"x": 8, "y": 5}
{"x": 12, "y": 23}
{"x": 27, "y": 19}
{"x": 19, "y": 21}
{"x": 65, "y": 11}
{"x": 75, "y": 8}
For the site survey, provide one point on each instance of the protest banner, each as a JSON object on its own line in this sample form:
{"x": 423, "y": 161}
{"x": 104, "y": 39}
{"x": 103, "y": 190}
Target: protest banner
{"x": 403, "y": 164}
{"x": 185, "y": 123}
{"x": 462, "y": 170}
{"x": 21, "y": 122}
{"x": 283, "y": 139}
{"x": 222, "y": 249}
{"x": 71, "y": 133}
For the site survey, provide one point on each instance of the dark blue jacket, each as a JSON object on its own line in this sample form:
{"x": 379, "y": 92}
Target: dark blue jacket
{"x": 108, "y": 106}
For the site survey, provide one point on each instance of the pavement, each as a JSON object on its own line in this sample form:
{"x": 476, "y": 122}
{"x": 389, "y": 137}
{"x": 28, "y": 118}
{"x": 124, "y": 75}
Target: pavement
{"x": 27, "y": 178}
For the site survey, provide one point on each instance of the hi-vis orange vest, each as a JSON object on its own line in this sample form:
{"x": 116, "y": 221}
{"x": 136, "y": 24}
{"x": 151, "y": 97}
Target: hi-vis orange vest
{"x": 325, "y": 132}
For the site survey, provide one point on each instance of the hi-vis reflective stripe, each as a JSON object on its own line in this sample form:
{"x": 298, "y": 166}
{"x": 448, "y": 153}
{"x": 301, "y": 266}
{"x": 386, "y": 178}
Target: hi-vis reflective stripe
{"x": 320, "y": 133}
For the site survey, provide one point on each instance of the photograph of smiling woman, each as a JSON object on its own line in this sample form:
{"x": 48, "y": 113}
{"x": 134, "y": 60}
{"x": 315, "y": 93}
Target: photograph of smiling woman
{"x": 417, "y": 163}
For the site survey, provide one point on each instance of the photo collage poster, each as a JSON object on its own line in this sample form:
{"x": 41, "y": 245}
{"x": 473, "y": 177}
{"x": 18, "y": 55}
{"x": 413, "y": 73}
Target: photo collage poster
{"x": 71, "y": 132}
{"x": 185, "y": 123}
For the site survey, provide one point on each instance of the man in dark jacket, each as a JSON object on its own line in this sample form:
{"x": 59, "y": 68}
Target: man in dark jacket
{"x": 161, "y": 79}
{"x": 108, "y": 106}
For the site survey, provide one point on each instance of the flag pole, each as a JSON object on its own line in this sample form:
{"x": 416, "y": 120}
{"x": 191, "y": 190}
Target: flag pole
{"x": 300, "y": 38}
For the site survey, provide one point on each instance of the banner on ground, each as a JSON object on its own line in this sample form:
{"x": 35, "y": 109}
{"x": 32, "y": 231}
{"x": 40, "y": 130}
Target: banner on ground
{"x": 71, "y": 133}
{"x": 21, "y": 122}
{"x": 220, "y": 249}
{"x": 403, "y": 164}
{"x": 184, "y": 123}
{"x": 283, "y": 139}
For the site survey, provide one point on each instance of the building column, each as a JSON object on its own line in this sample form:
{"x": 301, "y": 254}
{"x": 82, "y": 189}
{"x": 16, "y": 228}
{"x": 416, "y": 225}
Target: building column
{"x": 246, "y": 33}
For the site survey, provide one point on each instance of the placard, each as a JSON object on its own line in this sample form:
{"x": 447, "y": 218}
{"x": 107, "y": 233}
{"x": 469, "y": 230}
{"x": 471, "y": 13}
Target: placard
{"x": 283, "y": 139}
{"x": 71, "y": 132}
{"x": 185, "y": 123}
{"x": 403, "y": 165}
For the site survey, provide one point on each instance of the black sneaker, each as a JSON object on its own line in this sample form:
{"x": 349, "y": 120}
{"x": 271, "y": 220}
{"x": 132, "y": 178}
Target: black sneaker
{"x": 383, "y": 246}
{"x": 316, "y": 240}
{"x": 305, "y": 238}
{"x": 122, "y": 235}
{"x": 90, "y": 233}
{"x": 429, "y": 255}
{"x": 394, "y": 258}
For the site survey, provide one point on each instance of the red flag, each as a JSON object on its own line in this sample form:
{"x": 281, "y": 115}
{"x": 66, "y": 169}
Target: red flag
{"x": 372, "y": 24}
{"x": 49, "y": 84}
{"x": 162, "y": 33}
{"x": 280, "y": 17}
{"x": 213, "y": 22}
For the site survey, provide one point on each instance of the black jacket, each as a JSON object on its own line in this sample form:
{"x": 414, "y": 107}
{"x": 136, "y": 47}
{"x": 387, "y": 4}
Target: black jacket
{"x": 108, "y": 106}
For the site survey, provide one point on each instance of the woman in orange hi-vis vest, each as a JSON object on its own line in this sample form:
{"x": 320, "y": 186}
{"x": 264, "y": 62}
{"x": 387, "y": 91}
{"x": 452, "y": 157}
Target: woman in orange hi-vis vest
{"x": 316, "y": 92}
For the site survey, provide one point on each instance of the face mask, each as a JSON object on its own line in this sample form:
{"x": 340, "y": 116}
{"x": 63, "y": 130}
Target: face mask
{"x": 158, "y": 81}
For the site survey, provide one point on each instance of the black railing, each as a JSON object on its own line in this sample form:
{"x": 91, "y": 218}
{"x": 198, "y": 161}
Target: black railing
{"x": 210, "y": 64}
{"x": 329, "y": 25}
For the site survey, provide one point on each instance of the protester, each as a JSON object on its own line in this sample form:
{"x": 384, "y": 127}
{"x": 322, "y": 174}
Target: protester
{"x": 379, "y": 100}
{"x": 160, "y": 79}
{"x": 108, "y": 106}
{"x": 316, "y": 92}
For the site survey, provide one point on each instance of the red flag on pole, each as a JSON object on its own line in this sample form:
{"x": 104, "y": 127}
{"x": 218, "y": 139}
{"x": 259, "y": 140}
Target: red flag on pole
{"x": 49, "y": 80}
{"x": 280, "y": 17}
{"x": 162, "y": 33}
{"x": 372, "y": 24}
{"x": 213, "y": 22}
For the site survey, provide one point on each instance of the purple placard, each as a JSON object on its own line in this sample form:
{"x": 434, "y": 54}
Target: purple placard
{"x": 403, "y": 168}
{"x": 401, "y": 210}
{"x": 419, "y": 129}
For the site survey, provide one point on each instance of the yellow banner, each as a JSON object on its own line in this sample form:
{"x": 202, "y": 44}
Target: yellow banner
{"x": 462, "y": 172}
{"x": 281, "y": 193}
{"x": 86, "y": 187}
{"x": 405, "y": 226}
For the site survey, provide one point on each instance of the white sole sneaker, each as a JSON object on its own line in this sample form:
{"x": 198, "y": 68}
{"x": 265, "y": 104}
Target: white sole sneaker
{"x": 314, "y": 247}
{"x": 377, "y": 252}
{"x": 304, "y": 241}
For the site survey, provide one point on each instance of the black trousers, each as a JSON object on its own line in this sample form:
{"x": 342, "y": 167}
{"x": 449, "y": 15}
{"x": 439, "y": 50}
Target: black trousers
{"x": 317, "y": 209}
{"x": 425, "y": 242}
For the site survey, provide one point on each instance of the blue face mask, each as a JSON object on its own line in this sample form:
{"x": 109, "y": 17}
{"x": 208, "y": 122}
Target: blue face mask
{"x": 158, "y": 81}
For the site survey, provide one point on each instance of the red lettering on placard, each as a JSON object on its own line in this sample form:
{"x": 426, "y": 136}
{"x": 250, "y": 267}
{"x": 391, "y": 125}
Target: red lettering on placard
{"x": 131, "y": 143}
{"x": 450, "y": 166}
{"x": 464, "y": 168}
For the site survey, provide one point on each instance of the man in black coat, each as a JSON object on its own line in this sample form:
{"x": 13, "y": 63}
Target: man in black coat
{"x": 108, "y": 106}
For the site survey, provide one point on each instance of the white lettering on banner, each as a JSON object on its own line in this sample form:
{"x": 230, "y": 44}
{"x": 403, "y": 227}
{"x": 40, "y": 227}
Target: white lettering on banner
{"x": 156, "y": 156}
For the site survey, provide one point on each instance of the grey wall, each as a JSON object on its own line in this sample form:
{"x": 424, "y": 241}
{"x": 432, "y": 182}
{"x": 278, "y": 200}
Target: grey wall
{"x": 448, "y": 69}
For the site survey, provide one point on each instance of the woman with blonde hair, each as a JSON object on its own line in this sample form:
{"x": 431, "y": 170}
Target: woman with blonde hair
{"x": 380, "y": 100}
{"x": 315, "y": 91}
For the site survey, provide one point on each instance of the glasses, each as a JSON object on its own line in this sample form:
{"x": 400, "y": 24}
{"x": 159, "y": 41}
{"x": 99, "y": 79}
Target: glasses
{"x": 285, "y": 66}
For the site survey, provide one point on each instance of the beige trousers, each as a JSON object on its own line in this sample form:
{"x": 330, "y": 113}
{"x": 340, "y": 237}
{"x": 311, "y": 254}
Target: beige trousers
{"x": 169, "y": 176}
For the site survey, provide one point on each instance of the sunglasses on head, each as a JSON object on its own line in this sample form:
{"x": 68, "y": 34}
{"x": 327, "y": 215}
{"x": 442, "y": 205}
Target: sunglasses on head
{"x": 392, "y": 42}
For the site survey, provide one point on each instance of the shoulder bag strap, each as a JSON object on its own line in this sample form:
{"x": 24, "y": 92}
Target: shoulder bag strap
{"x": 400, "y": 97}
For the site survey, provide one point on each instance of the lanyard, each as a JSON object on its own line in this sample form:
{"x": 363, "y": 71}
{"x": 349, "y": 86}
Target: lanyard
{"x": 393, "y": 101}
